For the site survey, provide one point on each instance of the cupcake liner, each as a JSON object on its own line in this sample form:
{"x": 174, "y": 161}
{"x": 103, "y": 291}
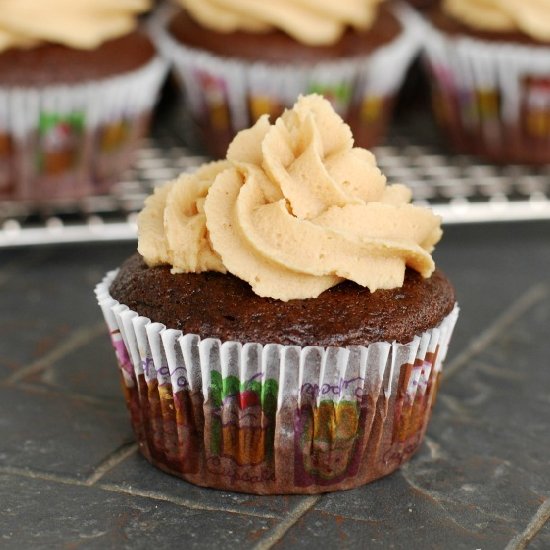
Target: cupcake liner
{"x": 269, "y": 418}
{"x": 492, "y": 98}
{"x": 225, "y": 95}
{"x": 71, "y": 140}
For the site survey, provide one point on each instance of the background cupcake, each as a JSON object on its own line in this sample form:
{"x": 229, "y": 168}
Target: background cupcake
{"x": 249, "y": 362}
{"x": 423, "y": 4}
{"x": 77, "y": 85}
{"x": 490, "y": 67}
{"x": 237, "y": 60}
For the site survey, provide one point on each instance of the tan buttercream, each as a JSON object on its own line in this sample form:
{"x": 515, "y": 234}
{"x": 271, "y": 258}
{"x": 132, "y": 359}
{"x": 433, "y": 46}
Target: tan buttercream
{"x": 531, "y": 17}
{"x": 293, "y": 210}
{"x": 82, "y": 24}
{"x": 313, "y": 22}
{"x": 172, "y": 226}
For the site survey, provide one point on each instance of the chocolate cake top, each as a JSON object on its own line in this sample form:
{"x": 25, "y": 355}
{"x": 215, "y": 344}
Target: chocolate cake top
{"x": 222, "y": 306}
{"x": 277, "y": 47}
{"x": 48, "y": 64}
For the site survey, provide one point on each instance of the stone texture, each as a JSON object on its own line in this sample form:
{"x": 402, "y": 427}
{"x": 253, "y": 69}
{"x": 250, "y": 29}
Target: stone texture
{"x": 411, "y": 512}
{"x": 542, "y": 539}
{"x": 71, "y": 373}
{"x": 388, "y": 514}
{"x": 491, "y": 265}
{"x": 42, "y": 514}
{"x": 136, "y": 473}
{"x": 477, "y": 482}
{"x": 46, "y": 298}
{"x": 57, "y": 434}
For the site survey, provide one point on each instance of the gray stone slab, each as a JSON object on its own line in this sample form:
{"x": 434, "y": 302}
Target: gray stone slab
{"x": 493, "y": 418}
{"x": 136, "y": 473}
{"x": 43, "y": 514}
{"x": 12, "y": 255}
{"x": 476, "y": 483}
{"x": 53, "y": 433}
{"x": 490, "y": 265}
{"x": 394, "y": 512}
{"x": 44, "y": 302}
{"x": 542, "y": 538}
{"x": 387, "y": 514}
{"x": 88, "y": 370}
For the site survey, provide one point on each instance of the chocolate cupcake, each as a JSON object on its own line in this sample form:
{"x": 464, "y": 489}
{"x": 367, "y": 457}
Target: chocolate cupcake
{"x": 236, "y": 65}
{"x": 283, "y": 327}
{"x": 77, "y": 85}
{"x": 423, "y": 4}
{"x": 490, "y": 67}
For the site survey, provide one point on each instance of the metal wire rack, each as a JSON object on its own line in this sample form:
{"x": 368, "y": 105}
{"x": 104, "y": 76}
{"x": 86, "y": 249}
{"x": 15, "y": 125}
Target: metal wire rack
{"x": 460, "y": 188}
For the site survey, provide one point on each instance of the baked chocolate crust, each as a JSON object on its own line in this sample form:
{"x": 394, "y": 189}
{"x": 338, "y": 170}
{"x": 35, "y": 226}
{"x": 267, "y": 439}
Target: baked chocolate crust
{"x": 423, "y": 4}
{"x": 278, "y": 47}
{"x": 223, "y": 306}
{"x": 49, "y": 64}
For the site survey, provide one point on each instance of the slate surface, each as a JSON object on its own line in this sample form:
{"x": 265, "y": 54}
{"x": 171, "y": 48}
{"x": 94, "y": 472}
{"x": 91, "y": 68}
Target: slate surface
{"x": 70, "y": 475}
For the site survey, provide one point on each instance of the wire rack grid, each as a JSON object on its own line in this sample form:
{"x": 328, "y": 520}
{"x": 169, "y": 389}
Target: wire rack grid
{"x": 460, "y": 188}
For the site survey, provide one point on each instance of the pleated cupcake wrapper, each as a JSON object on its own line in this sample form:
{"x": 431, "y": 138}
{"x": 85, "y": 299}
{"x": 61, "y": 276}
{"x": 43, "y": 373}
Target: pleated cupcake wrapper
{"x": 234, "y": 92}
{"x": 98, "y": 101}
{"x": 491, "y": 84}
{"x": 41, "y": 124}
{"x": 271, "y": 418}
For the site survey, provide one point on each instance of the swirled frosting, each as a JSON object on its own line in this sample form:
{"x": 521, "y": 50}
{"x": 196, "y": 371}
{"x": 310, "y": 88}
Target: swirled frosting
{"x": 82, "y": 24}
{"x": 313, "y": 22}
{"x": 294, "y": 210}
{"x": 531, "y": 17}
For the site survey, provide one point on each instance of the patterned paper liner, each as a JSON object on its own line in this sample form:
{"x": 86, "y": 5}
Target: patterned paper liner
{"x": 271, "y": 419}
{"x": 225, "y": 95}
{"x": 67, "y": 141}
{"x": 491, "y": 98}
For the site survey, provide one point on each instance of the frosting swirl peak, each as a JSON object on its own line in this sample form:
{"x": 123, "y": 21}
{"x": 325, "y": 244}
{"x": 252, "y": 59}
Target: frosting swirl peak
{"x": 81, "y": 24}
{"x": 313, "y": 22}
{"x": 531, "y": 17}
{"x": 293, "y": 210}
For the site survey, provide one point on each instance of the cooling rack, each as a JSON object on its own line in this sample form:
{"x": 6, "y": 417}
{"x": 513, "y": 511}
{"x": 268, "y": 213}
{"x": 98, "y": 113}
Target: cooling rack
{"x": 460, "y": 188}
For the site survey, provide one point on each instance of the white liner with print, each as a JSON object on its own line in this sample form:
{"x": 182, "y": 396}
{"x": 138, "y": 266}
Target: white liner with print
{"x": 493, "y": 92}
{"x": 63, "y": 140}
{"x": 269, "y": 418}
{"x": 229, "y": 94}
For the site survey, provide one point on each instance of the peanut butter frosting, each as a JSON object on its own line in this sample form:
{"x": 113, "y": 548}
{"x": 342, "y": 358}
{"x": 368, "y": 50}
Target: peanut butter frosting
{"x": 81, "y": 24}
{"x": 313, "y": 22}
{"x": 293, "y": 210}
{"x": 531, "y": 17}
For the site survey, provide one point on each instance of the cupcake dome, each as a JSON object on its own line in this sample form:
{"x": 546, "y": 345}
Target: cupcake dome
{"x": 77, "y": 85}
{"x": 248, "y": 362}
{"x": 236, "y": 62}
{"x": 490, "y": 67}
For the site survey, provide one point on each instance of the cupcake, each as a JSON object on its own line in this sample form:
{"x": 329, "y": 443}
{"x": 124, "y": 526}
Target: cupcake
{"x": 490, "y": 67}
{"x": 422, "y": 4}
{"x": 78, "y": 82}
{"x": 282, "y": 327}
{"x": 238, "y": 62}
